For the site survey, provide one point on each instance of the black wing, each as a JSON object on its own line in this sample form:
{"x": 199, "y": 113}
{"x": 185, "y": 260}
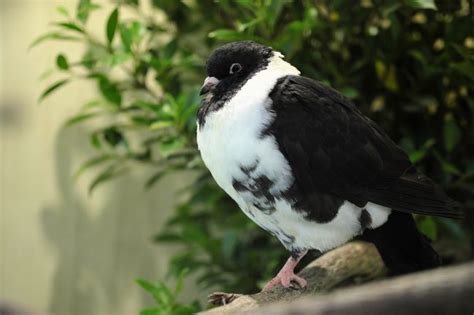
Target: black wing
{"x": 333, "y": 148}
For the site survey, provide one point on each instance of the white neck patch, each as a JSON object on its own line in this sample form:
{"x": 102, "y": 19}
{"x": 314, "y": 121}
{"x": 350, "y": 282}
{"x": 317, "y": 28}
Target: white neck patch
{"x": 277, "y": 64}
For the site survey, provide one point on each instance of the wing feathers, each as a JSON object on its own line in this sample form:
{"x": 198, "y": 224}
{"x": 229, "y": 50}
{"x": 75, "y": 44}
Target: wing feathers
{"x": 416, "y": 193}
{"x": 333, "y": 148}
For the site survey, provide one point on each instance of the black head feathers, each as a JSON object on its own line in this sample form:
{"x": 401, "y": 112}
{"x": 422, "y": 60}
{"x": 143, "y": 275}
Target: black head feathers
{"x": 245, "y": 56}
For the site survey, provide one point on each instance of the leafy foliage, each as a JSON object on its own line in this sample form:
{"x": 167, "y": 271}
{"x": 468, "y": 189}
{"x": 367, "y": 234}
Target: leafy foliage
{"x": 407, "y": 64}
{"x": 165, "y": 298}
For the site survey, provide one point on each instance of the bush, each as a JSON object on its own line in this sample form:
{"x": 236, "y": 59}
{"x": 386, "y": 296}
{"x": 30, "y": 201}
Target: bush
{"x": 409, "y": 65}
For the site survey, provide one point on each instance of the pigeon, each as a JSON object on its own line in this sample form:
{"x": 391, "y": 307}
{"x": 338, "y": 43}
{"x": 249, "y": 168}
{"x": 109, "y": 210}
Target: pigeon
{"x": 306, "y": 165}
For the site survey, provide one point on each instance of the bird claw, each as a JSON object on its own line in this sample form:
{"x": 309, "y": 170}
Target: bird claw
{"x": 222, "y": 298}
{"x": 286, "y": 277}
{"x": 298, "y": 283}
{"x": 287, "y": 280}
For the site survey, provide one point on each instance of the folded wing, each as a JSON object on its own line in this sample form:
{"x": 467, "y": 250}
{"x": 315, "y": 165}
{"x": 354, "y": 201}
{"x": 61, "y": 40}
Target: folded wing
{"x": 333, "y": 148}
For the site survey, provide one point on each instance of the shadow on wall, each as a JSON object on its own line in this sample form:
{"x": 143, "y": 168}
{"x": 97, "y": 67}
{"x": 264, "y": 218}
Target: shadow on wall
{"x": 7, "y": 308}
{"x": 100, "y": 247}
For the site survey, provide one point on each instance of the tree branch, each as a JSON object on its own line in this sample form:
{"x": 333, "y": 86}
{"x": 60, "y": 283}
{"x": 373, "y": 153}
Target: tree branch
{"x": 354, "y": 262}
{"x": 448, "y": 290}
{"x": 441, "y": 291}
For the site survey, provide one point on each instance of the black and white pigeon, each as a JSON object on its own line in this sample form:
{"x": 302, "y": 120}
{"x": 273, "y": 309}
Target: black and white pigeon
{"x": 307, "y": 166}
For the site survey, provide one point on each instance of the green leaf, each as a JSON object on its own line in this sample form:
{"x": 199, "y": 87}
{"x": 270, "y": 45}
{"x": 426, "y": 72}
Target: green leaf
{"x": 132, "y": 2}
{"x": 162, "y": 295}
{"x": 152, "y": 180}
{"x": 144, "y": 155}
{"x": 151, "y": 311}
{"x": 62, "y": 62}
{"x": 91, "y": 163}
{"x": 110, "y": 91}
{"x": 52, "y": 36}
{"x": 274, "y": 9}
{"x": 117, "y": 58}
{"x": 422, "y": 4}
{"x": 84, "y": 8}
{"x": 82, "y": 12}
{"x": 450, "y": 168}
{"x": 52, "y": 88}
{"x": 445, "y": 165}
{"x": 417, "y": 155}
{"x": 455, "y": 229}
{"x": 167, "y": 237}
{"x": 387, "y": 74}
{"x": 185, "y": 310}
{"x": 63, "y": 11}
{"x": 113, "y": 136}
{"x": 109, "y": 173}
{"x": 180, "y": 282}
{"x": 70, "y": 26}
{"x": 229, "y": 35}
{"x": 170, "y": 146}
{"x": 170, "y": 49}
{"x": 112, "y": 25}
{"x": 350, "y": 92}
{"x": 146, "y": 106}
{"x": 229, "y": 242}
{"x": 465, "y": 68}
{"x": 79, "y": 118}
{"x": 452, "y": 135}
{"x": 429, "y": 228}
{"x": 429, "y": 143}
{"x": 95, "y": 140}
{"x": 407, "y": 144}
{"x": 148, "y": 286}
{"x": 89, "y": 59}
{"x": 136, "y": 31}
{"x": 96, "y": 103}
{"x": 46, "y": 74}
{"x": 161, "y": 125}
{"x": 126, "y": 36}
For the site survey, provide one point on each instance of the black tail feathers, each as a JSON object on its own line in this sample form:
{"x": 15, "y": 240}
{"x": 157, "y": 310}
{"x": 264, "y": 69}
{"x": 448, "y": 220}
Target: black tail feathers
{"x": 413, "y": 192}
{"x": 403, "y": 248}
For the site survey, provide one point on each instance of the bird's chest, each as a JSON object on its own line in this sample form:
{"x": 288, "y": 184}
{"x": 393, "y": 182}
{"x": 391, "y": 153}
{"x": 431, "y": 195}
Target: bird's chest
{"x": 243, "y": 160}
{"x": 248, "y": 165}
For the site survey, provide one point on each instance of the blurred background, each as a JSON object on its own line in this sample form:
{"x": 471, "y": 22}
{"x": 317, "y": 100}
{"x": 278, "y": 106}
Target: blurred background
{"x": 100, "y": 180}
{"x": 63, "y": 250}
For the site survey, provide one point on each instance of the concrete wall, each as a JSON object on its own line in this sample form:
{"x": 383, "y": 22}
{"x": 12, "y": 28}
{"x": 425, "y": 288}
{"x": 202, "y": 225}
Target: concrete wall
{"x": 61, "y": 250}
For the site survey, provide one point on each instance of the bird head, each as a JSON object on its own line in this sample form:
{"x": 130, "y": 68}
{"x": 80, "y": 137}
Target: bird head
{"x": 231, "y": 65}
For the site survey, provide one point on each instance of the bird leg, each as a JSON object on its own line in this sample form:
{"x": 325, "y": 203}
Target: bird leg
{"x": 286, "y": 276}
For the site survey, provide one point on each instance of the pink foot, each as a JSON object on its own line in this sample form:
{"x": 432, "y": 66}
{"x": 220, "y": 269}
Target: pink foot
{"x": 286, "y": 277}
{"x": 286, "y": 280}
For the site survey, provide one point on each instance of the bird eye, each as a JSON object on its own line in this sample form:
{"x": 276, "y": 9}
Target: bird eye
{"x": 235, "y": 67}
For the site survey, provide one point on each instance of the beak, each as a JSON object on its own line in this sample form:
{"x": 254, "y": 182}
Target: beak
{"x": 208, "y": 84}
